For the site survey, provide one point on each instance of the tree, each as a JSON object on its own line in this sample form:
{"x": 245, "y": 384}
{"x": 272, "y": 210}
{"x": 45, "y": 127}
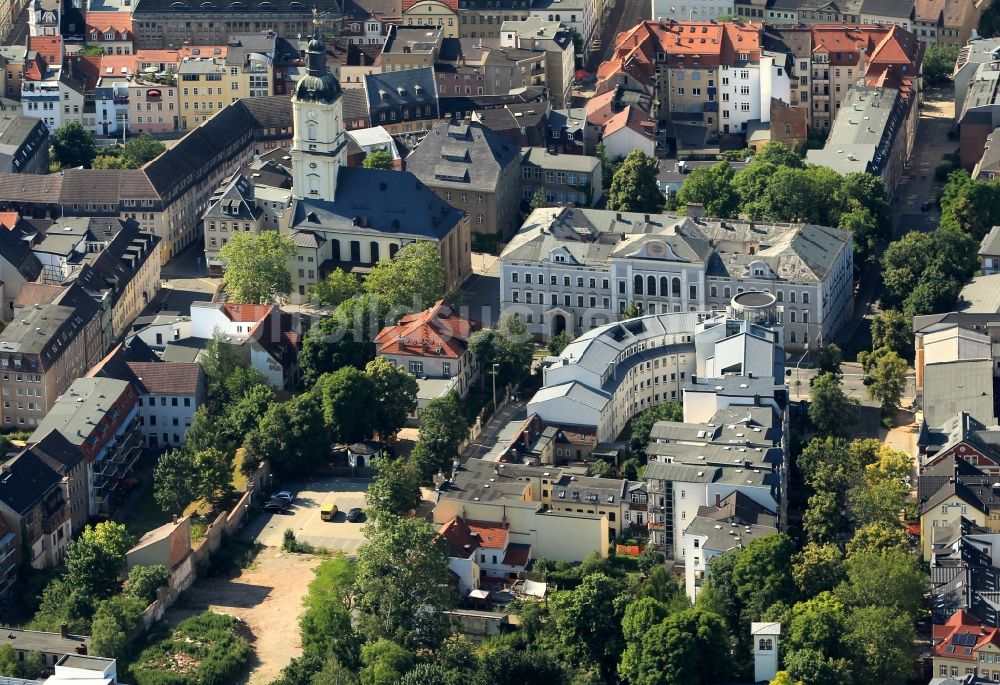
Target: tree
{"x": 779, "y": 154}
{"x": 886, "y": 379}
{"x": 608, "y": 166}
{"x": 94, "y": 562}
{"x": 878, "y": 502}
{"x": 73, "y": 145}
{"x": 970, "y": 206}
{"x": 903, "y": 263}
{"x": 830, "y": 359}
{"x": 140, "y": 150}
{"x": 402, "y": 583}
{"x": 818, "y": 623}
{"x": 557, "y": 343}
{"x": 394, "y": 491}
{"x": 818, "y": 568}
{"x": 326, "y": 624}
{"x": 143, "y": 581}
{"x": 443, "y": 427}
{"x": 881, "y": 642}
{"x": 507, "y": 666}
{"x": 712, "y": 187}
{"x": 823, "y": 520}
{"x": 256, "y": 267}
{"x": 106, "y": 161}
{"x": 338, "y": 287}
{"x": 213, "y": 475}
{"x": 412, "y": 280}
{"x": 291, "y": 436}
{"x": 114, "y": 620}
{"x": 783, "y": 678}
{"x": 347, "y": 397}
{"x": 891, "y": 329}
{"x": 812, "y": 667}
{"x": 869, "y": 574}
{"x": 762, "y": 575}
{"x": 939, "y": 63}
{"x": 799, "y": 195}
{"x": 394, "y": 396}
{"x": 875, "y": 538}
{"x": 378, "y": 159}
{"x": 173, "y": 488}
{"x": 588, "y": 621}
{"x": 642, "y": 424}
{"x": 509, "y": 346}
{"x": 830, "y": 410}
{"x": 632, "y": 311}
{"x": 538, "y": 200}
{"x": 639, "y": 616}
{"x": 691, "y": 647}
{"x": 634, "y": 187}
{"x": 8, "y": 662}
{"x": 385, "y": 662}
{"x": 344, "y": 339}
{"x": 864, "y": 228}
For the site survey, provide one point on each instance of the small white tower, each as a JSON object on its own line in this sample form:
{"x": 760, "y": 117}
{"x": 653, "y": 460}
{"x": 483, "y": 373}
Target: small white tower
{"x": 765, "y": 650}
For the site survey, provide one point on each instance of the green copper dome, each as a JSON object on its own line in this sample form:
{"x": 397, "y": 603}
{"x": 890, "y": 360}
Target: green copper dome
{"x": 318, "y": 85}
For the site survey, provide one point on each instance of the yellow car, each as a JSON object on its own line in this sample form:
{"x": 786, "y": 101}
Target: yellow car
{"x": 328, "y": 511}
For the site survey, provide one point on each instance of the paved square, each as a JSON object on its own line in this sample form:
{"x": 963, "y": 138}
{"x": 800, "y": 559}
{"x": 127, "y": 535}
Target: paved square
{"x": 304, "y": 520}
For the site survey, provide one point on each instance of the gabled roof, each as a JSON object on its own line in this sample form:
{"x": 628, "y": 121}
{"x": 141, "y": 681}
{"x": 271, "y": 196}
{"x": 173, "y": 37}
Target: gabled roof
{"x": 25, "y": 480}
{"x": 166, "y": 378}
{"x": 490, "y": 535}
{"x": 461, "y": 541}
{"x": 631, "y": 117}
{"x": 59, "y": 453}
{"x": 437, "y": 331}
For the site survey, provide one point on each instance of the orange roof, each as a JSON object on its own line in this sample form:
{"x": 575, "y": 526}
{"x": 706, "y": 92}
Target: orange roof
{"x": 118, "y": 62}
{"x": 8, "y": 219}
{"x": 961, "y": 636}
{"x": 459, "y": 537}
{"x": 35, "y": 69}
{"x": 246, "y": 313}
{"x": 49, "y": 47}
{"x": 102, "y": 21}
{"x": 491, "y": 535}
{"x": 437, "y": 331}
{"x": 633, "y": 118}
{"x": 175, "y": 56}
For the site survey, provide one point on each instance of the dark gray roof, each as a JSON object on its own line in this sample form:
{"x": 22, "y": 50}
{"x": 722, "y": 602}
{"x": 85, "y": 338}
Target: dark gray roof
{"x": 25, "y": 480}
{"x": 467, "y": 151}
{"x": 377, "y": 202}
{"x": 355, "y": 104}
{"x": 401, "y": 88}
{"x": 902, "y": 9}
{"x": 245, "y": 8}
{"x": 991, "y": 242}
{"x": 19, "y": 254}
{"x": 58, "y": 452}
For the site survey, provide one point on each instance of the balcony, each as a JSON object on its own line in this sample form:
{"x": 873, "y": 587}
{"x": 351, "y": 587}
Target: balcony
{"x": 654, "y": 525}
{"x": 120, "y": 99}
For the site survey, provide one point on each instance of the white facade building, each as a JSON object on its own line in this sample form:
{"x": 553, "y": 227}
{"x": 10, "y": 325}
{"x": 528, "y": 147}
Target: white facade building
{"x": 572, "y": 269}
{"x": 692, "y": 10}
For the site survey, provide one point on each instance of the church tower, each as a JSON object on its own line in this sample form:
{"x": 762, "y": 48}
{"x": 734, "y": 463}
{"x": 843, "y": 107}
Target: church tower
{"x": 319, "y": 142}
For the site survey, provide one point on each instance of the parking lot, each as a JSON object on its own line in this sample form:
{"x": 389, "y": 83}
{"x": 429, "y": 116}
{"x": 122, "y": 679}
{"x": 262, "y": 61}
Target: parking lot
{"x": 304, "y": 520}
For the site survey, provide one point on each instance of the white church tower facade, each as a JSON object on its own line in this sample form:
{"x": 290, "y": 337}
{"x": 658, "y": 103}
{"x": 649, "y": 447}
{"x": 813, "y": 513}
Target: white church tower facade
{"x": 319, "y": 141}
{"x": 765, "y": 650}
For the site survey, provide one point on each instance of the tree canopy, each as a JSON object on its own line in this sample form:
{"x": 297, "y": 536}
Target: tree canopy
{"x": 73, "y": 145}
{"x": 412, "y": 280}
{"x": 256, "y": 267}
{"x": 634, "y": 187}
{"x": 378, "y": 159}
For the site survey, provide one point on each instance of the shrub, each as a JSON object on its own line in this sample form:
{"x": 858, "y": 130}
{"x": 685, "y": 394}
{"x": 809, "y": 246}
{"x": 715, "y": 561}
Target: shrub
{"x": 143, "y": 581}
{"x": 203, "y": 650}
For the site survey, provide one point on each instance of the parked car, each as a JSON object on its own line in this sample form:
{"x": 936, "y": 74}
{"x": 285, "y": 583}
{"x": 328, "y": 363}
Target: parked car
{"x": 327, "y": 512}
{"x": 277, "y": 504}
{"x": 355, "y": 515}
{"x": 285, "y": 495}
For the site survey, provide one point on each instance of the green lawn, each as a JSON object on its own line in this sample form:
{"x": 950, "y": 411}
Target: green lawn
{"x": 145, "y": 514}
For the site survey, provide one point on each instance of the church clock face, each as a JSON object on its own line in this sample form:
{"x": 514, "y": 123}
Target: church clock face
{"x": 311, "y": 115}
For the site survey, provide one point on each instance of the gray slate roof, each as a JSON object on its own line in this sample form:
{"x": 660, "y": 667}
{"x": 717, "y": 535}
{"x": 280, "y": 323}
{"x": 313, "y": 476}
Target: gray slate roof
{"x": 469, "y": 151}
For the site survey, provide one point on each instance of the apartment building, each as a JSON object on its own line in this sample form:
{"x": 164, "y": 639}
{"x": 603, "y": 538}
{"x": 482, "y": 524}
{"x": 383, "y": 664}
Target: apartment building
{"x": 485, "y": 18}
{"x": 401, "y": 101}
{"x": 963, "y": 648}
{"x": 585, "y": 17}
{"x": 18, "y": 265}
{"x": 13, "y": 60}
{"x": 33, "y": 504}
{"x": 68, "y": 461}
{"x": 431, "y": 13}
{"x": 159, "y": 24}
{"x": 112, "y": 31}
{"x": 474, "y": 170}
{"x": 100, "y": 416}
{"x": 556, "y": 41}
{"x": 42, "y": 351}
{"x": 964, "y": 574}
{"x": 872, "y": 133}
{"x": 573, "y": 179}
{"x": 571, "y": 269}
{"x": 168, "y": 196}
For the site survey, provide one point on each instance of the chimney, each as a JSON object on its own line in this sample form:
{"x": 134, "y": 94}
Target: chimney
{"x": 64, "y": 630}
{"x": 695, "y": 210}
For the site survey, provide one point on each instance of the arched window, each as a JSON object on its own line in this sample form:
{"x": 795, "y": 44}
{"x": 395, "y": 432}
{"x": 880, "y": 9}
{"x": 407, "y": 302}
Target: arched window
{"x": 664, "y": 288}
{"x": 374, "y": 251}
{"x": 393, "y": 249}
{"x": 765, "y": 645}
{"x": 311, "y": 130}
{"x": 650, "y": 285}
{"x": 638, "y": 285}
{"x": 335, "y": 249}
{"x": 675, "y": 287}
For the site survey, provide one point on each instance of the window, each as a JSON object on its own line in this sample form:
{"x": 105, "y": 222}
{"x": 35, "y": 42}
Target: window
{"x": 416, "y": 367}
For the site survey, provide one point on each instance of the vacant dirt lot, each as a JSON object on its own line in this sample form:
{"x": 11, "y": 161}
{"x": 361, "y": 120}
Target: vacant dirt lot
{"x": 268, "y": 596}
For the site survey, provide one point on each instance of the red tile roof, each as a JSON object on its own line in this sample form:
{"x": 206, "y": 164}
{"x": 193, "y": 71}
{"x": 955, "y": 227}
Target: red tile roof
{"x": 517, "y": 554}
{"x": 37, "y": 293}
{"x": 633, "y": 118}
{"x": 459, "y": 537}
{"x": 167, "y": 378}
{"x": 962, "y": 636}
{"x": 9, "y": 219}
{"x": 35, "y": 69}
{"x": 246, "y": 313}
{"x": 491, "y": 535}
{"x": 102, "y": 21}
{"x": 49, "y": 47}
{"x": 437, "y": 331}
